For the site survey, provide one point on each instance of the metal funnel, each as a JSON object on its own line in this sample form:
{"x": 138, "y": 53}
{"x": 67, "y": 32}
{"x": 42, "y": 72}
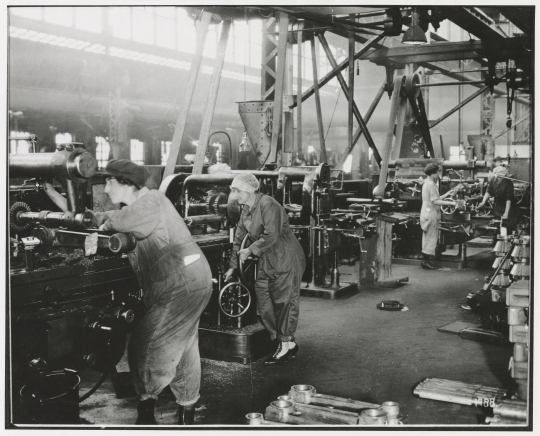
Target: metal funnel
{"x": 257, "y": 119}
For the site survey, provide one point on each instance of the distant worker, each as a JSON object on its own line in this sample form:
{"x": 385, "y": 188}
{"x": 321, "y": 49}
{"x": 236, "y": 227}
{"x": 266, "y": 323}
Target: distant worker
{"x": 504, "y": 203}
{"x": 177, "y": 284}
{"x": 430, "y": 215}
{"x": 281, "y": 262}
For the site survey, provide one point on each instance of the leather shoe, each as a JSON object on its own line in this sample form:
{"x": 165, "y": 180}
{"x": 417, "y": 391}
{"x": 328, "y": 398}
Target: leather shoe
{"x": 292, "y": 351}
{"x": 427, "y": 265}
{"x": 278, "y": 357}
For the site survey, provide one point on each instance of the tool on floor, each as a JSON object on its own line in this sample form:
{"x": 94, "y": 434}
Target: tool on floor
{"x": 391, "y": 305}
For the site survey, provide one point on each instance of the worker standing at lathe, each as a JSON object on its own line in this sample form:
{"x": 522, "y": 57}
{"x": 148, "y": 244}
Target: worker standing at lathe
{"x": 177, "y": 284}
{"x": 281, "y": 265}
{"x": 430, "y": 215}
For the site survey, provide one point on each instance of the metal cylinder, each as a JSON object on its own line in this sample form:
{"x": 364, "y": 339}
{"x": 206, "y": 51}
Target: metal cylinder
{"x": 203, "y": 219}
{"x": 56, "y": 219}
{"x": 254, "y": 419}
{"x": 77, "y": 165}
{"x": 122, "y": 242}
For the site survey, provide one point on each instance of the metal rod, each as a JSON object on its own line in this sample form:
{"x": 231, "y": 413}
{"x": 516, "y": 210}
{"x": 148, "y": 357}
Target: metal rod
{"x": 82, "y": 234}
{"x": 520, "y": 121}
{"x": 466, "y": 82}
{"x": 459, "y": 106}
{"x": 308, "y": 29}
{"x": 515, "y": 180}
{"x": 350, "y": 96}
{"x": 318, "y": 101}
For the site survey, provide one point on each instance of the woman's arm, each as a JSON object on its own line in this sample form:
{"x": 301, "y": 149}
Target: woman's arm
{"x": 239, "y": 236}
{"x": 507, "y": 210}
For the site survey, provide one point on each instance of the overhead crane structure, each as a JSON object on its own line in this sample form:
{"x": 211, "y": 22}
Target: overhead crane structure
{"x": 286, "y": 26}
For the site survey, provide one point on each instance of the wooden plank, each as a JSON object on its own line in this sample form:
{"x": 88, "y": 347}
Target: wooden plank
{"x": 383, "y": 260}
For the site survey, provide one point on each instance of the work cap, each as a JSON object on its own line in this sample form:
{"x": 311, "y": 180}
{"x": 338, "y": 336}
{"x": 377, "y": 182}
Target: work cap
{"x": 500, "y": 171}
{"x": 245, "y": 182}
{"x": 431, "y": 168}
{"x": 123, "y": 168}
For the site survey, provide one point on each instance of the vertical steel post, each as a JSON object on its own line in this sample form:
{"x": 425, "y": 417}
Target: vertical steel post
{"x": 212, "y": 98}
{"x": 351, "y": 86}
{"x": 323, "y": 157}
{"x": 181, "y": 121}
{"x": 299, "y": 94}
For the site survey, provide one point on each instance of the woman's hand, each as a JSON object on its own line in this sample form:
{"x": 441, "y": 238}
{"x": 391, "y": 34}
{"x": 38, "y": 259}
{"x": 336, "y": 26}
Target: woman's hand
{"x": 244, "y": 254}
{"x": 480, "y": 205}
{"x": 228, "y": 274}
{"x": 505, "y": 216}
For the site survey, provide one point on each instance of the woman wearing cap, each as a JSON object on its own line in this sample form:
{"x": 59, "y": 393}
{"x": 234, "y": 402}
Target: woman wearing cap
{"x": 504, "y": 203}
{"x": 177, "y": 283}
{"x": 430, "y": 215}
{"x": 281, "y": 262}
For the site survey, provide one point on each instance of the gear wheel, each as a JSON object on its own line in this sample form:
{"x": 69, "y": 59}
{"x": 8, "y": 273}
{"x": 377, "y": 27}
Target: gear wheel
{"x": 213, "y": 201}
{"x": 15, "y": 224}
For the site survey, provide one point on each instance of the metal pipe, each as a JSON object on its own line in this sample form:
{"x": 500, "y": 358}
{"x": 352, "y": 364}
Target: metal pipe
{"x": 465, "y": 82}
{"x": 447, "y": 164}
{"x": 47, "y": 218}
{"x": 299, "y": 149}
{"x": 203, "y": 219}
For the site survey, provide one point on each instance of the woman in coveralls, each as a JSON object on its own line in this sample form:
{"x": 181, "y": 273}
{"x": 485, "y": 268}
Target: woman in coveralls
{"x": 281, "y": 262}
{"x": 504, "y": 202}
{"x": 430, "y": 215}
{"x": 177, "y": 284}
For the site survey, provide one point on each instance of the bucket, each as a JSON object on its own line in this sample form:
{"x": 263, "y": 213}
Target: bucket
{"x": 53, "y": 399}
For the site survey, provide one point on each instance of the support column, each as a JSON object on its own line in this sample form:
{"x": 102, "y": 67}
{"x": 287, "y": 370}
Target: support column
{"x": 314, "y": 61}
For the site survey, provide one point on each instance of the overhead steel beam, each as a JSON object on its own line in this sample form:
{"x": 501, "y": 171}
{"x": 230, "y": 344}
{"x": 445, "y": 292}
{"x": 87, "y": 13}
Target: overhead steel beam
{"x": 449, "y": 51}
{"x": 522, "y": 17}
{"x": 474, "y": 21}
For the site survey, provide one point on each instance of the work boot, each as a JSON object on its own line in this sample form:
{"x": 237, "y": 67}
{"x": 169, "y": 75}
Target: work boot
{"x": 426, "y": 263}
{"x": 281, "y": 355}
{"x": 145, "y": 410}
{"x": 186, "y": 415}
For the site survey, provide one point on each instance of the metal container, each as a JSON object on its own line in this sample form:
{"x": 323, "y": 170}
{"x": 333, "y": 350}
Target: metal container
{"x": 521, "y": 251}
{"x": 507, "y": 264}
{"x": 302, "y": 393}
{"x": 285, "y": 407}
{"x": 516, "y": 315}
{"x": 520, "y": 270}
{"x": 502, "y": 246}
{"x": 501, "y": 280}
{"x": 521, "y": 353}
{"x": 373, "y": 417}
{"x": 287, "y": 398}
{"x": 254, "y": 419}
{"x": 391, "y": 408}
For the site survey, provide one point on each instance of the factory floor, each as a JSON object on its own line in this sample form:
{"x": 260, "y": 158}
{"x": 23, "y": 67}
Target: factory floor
{"x": 349, "y": 348}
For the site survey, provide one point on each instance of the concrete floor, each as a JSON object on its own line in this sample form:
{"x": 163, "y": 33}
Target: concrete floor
{"x": 349, "y": 348}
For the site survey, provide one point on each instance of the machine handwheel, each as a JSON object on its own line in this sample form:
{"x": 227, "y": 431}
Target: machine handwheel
{"x": 518, "y": 195}
{"x": 447, "y": 209}
{"x": 234, "y": 299}
{"x": 487, "y": 209}
{"x": 247, "y": 270}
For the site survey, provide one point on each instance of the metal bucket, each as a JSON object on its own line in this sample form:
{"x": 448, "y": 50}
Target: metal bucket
{"x": 53, "y": 399}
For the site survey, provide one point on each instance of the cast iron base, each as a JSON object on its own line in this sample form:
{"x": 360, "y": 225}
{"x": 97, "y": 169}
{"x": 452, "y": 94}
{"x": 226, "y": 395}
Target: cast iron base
{"x": 329, "y": 293}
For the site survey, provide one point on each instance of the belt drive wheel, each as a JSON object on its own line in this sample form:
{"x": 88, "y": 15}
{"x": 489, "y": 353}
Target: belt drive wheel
{"x": 234, "y": 299}
{"x": 14, "y": 222}
{"x": 411, "y": 89}
{"x": 248, "y": 270}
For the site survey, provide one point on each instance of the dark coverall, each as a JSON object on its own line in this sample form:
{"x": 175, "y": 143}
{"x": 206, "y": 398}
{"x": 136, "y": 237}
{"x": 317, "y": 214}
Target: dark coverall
{"x": 177, "y": 284}
{"x": 502, "y": 190}
{"x": 281, "y": 264}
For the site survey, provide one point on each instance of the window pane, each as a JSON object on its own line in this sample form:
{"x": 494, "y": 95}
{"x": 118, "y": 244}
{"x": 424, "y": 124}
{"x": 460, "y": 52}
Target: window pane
{"x": 33, "y": 13}
{"x": 102, "y": 152}
{"x": 21, "y": 146}
{"x": 143, "y": 26}
{"x": 59, "y": 15}
{"x": 137, "y": 151}
{"x": 88, "y": 19}
{"x": 165, "y": 33}
{"x": 186, "y": 33}
{"x": 166, "y": 12}
{"x": 120, "y": 19}
{"x": 165, "y": 150}
{"x": 63, "y": 138}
